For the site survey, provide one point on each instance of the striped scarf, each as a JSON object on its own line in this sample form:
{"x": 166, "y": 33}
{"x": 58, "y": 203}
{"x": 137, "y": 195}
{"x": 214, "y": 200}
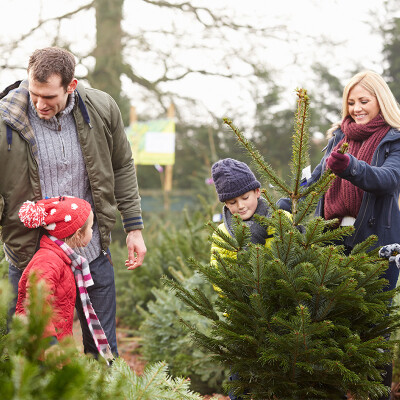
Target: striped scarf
{"x": 81, "y": 270}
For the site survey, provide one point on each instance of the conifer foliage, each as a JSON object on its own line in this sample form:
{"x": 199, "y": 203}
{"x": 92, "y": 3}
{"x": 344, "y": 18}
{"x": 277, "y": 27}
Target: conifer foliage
{"x": 32, "y": 369}
{"x": 298, "y": 320}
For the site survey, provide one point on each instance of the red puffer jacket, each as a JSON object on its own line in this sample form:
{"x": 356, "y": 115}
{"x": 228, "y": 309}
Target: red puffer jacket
{"x": 52, "y": 265}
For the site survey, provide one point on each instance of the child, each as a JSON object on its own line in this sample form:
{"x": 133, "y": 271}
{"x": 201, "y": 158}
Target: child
{"x": 239, "y": 189}
{"x": 67, "y": 222}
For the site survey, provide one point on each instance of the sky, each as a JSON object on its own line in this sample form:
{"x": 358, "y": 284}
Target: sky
{"x": 347, "y": 22}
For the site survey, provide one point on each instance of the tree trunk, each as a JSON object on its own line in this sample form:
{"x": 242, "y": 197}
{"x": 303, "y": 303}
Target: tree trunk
{"x": 106, "y": 75}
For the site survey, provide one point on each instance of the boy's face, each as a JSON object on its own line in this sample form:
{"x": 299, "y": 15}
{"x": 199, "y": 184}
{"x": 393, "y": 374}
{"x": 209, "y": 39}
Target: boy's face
{"x": 244, "y": 205}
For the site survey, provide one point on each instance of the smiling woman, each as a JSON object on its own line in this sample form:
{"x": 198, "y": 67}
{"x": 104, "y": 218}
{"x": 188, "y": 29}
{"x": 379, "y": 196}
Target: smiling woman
{"x": 365, "y": 191}
{"x": 363, "y": 105}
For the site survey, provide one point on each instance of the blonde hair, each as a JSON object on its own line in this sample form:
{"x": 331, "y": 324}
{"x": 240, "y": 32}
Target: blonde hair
{"x": 374, "y": 84}
{"x": 74, "y": 240}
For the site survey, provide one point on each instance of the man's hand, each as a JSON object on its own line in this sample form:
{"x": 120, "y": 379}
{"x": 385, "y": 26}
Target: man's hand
{"x": 136, "y": 249}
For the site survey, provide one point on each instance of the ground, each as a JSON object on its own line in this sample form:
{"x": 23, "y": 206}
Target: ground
{"x": 128, "y": 350}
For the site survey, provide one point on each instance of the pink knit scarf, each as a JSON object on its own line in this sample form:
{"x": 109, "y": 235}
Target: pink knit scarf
{"x": 83, "y": 278}
{"x": 343, "y": 198}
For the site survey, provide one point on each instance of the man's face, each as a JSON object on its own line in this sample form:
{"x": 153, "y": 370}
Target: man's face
{"x": 49, "y": 98}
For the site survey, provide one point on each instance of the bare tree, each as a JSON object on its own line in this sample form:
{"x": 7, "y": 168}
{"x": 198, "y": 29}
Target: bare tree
{"x": 157, "y": 62}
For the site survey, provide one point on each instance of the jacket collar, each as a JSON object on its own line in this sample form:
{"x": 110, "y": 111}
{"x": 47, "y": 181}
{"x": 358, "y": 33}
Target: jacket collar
{"x": 48, "y": 244}
{"x": 14, "y": 113}
{"x": 14, "y": 108}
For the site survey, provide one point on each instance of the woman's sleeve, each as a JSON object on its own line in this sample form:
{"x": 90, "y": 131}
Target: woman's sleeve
{"x": 378, "y": 180}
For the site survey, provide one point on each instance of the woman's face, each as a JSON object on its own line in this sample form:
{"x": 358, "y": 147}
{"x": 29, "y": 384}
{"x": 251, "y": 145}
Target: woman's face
{"x": 362, "y": 105}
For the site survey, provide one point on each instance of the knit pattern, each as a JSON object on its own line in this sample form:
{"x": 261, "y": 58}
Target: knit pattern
{"x": 62, "y": 215}
{"x": 80, "y": 268}
{"x": 343, "y": 198}
{"x": 392, "y": 252}
{"x": 32, "y": 215}
{"x": 62, "y": 169}
{"x": 232, "y": 178}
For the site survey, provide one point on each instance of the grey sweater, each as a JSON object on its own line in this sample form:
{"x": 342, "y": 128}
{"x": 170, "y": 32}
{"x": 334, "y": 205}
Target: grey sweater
{"x": 62, "y": 168}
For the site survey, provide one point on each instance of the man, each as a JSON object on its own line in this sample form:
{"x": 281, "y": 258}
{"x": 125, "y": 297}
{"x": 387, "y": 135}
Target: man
{"x": 59, "y": 138}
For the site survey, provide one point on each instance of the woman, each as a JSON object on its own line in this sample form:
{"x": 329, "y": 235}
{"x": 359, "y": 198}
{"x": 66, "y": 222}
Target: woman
{"x": 366, "y": 191}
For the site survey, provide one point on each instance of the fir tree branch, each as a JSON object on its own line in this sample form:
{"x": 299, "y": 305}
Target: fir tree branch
{"x": 300, "y": 139}
{"x": 258, "y": 269}
{"x": 152, "y": 374}
{"x": 263, "y": 166}
{"x": 322, "y": 280}
{"x": 228, "y": 242}
{"x": 382, "y": 266}
{"x": 310, "y": 203}
{"x": 342, "y": 289}
{"x": 270, "y": 200}
{"x": 189, "y": 299}
{"x": 322, "y": 185}
{"x": 364, "y": 246}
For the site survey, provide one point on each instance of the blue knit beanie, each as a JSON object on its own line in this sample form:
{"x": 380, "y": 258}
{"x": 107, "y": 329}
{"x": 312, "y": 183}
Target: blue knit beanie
{"x": 232, "y": 178}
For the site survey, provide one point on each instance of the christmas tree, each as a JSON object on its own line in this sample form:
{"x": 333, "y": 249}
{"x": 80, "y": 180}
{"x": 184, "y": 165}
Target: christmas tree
{"x": 299, "y": 320}
{"x": 32, "y": 369}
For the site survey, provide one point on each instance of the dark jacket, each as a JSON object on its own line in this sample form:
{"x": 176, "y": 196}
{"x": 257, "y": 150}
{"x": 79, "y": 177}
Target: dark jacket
{"x": 107, "y": 156}
{"x": 379, "y": 212}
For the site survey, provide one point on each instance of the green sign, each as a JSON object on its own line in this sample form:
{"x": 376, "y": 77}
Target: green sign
{"x": 153, "y": 142}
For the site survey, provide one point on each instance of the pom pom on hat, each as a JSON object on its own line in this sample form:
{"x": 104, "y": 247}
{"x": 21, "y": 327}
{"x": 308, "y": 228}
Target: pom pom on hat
{"x": 61, "y": 216}
{"x": 32, "y": 215}
{"x": 232, "y": 178}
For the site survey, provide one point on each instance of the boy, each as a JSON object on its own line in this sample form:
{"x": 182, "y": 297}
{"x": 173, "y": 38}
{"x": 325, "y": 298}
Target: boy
{"x": 239, "y": 189}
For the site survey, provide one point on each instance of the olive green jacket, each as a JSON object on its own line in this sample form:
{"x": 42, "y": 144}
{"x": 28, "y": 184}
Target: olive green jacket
{"x": 107, "y": 156}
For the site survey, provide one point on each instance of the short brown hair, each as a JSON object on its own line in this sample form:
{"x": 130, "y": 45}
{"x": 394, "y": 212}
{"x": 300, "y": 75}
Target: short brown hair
{"x": 46, "y": 62}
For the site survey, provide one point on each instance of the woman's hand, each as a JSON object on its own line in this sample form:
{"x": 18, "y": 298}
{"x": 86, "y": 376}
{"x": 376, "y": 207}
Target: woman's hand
{"x": 337, "y": 162}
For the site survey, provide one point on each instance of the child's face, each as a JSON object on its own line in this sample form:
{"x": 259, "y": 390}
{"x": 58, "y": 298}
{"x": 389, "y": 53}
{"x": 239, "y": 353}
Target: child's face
{"x": 244, "y": 205}
{"x": 86, "y": 236}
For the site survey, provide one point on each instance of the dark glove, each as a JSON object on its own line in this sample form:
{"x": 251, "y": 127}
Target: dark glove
{"x": 338, "y": 162}
{"x": 284, "y": 204}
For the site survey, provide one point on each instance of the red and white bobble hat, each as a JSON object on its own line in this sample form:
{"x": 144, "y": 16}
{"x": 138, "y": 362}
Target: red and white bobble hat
{"x": 61, "y": 216}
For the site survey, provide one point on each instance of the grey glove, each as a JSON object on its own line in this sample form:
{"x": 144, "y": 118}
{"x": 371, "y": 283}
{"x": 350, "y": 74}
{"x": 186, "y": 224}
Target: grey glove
{"x": 392, "y": 252}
